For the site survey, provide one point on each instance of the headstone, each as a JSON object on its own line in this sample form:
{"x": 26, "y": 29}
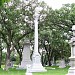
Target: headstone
{"x": 26, "y": 56}
{"x": 52, "y": 62}
{"x": 62, "y": 63}
{"x": 12, "y": 63}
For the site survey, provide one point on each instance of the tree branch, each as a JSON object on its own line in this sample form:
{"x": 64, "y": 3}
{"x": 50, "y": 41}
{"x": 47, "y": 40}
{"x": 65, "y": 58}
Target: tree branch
{"x": 25, "y": 35}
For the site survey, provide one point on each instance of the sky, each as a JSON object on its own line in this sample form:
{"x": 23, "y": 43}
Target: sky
{"x": 56, "y": 4}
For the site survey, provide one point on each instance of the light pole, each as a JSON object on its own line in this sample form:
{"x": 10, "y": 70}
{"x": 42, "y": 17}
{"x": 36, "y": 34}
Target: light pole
{"x": 71, "y": 70}
{"x": 36, "y": 58}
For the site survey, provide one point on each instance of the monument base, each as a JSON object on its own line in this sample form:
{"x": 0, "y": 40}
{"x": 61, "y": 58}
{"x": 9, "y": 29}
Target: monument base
{"x": 36, "y": 64}
{"x": 71, "y": 71}
{"x": 24, "y": 64}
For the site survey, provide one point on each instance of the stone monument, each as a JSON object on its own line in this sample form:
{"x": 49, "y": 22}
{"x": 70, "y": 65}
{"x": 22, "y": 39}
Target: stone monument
{"x": 26, "y": 55}
{"x": 36, "y": 58}
{"x": 71, "y": 70}
{"x": 62, "y": 63}
{"x": 53, "y": 62}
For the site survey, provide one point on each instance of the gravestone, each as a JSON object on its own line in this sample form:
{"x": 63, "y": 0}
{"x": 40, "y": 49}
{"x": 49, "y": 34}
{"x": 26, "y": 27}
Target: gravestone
{"x": 52, "y": 62}
{"x": 26, "y": 56}
{"x": 62, "y": 63}
{"x": 12, "y": 63}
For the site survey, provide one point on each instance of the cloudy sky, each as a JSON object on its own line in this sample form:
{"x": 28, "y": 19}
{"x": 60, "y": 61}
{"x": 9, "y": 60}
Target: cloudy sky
{"x": 56, "y": 4}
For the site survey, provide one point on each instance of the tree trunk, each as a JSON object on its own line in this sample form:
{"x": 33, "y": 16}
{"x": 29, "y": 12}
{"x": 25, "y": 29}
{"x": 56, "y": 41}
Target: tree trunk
{"x": 7, "y": 64}
{"x": 0, "y": 57}
{"x": 55, "y": 61}
{"x": 0, "y": 52}
{"x": 20, "y": 59}
{"x": 49, "y": 62}
{"x": 42, "y": 59}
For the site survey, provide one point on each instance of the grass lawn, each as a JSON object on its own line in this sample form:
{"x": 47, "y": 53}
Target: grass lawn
{"x": 56, "y": 71}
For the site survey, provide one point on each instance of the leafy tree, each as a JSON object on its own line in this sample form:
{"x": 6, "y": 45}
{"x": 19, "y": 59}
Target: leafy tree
{"x": 16, "y": 23}
{"x": 56, "y": 29}
{"x": 12, "y": 28}
{"x": 3, "y": 1}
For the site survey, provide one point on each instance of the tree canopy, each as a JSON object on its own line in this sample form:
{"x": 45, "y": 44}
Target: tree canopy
{"x": 3, "y": 1}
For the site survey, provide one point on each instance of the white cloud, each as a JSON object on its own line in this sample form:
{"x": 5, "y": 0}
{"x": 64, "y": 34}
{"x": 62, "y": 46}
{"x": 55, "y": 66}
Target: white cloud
{"x": 56, "y": 4}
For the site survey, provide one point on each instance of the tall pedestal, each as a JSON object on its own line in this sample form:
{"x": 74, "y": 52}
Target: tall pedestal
{"x": 36, "y": 58}
{"x": 71, "y": 70}
{"x": 36, "y": 64}
{"x": 26, "y": 56}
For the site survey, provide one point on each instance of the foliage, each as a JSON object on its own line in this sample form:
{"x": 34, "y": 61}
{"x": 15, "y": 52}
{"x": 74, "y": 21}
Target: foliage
{"x": 3, "y": 1}
{"x": 3, "y": 57}
{"x": 12, "y": 56}
{"x": 56, "y": 31}
{"x": 16, "y": 22}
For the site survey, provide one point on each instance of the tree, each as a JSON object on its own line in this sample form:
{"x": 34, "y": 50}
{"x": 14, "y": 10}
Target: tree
{"x": 16, "y": 23}
{"x": 3, "y": 1}
{"x": 12, "y": 19}
{"x": 56, "y": 24}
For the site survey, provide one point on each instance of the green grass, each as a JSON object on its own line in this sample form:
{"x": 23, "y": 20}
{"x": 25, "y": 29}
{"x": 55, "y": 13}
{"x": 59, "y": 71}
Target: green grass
{"x": 12, "y": 72}
{"x": 56, "y": 71}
